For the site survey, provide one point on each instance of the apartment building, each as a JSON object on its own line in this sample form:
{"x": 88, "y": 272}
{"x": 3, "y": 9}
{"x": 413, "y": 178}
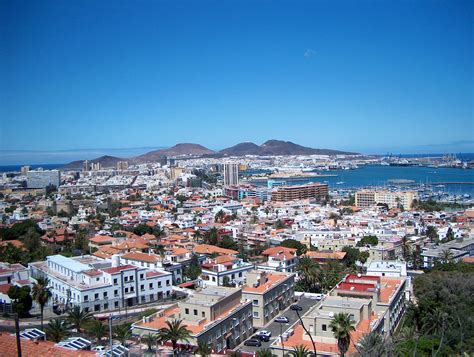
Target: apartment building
{"x": 224, "y": 268}
{"x": 231, "y": 174}
{"x": 458, "y": 248}
{"x": 43, "y": 178}
{"x": 215, "y": 315}
{"x": 97, "y": 285}
{"x": 368, "y": 198}
{"x": 317, "y": 191}
{"x": 270, "y": 293}
{"x": 279, "y": 259}
{"x": 155, "y": 262}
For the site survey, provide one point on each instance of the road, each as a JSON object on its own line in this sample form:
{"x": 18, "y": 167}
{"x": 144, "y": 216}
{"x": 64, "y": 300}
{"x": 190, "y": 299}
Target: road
{"x": 275, "y": 327}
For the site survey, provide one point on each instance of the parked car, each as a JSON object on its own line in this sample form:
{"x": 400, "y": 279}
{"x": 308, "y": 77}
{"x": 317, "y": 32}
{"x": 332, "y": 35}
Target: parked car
{"x": 262, "y": 338}
{"x": 264, "y": 333}
{"x": 282, "y": 319}
{"x": 98, "y": 348}
{"x": 253, "y": 342}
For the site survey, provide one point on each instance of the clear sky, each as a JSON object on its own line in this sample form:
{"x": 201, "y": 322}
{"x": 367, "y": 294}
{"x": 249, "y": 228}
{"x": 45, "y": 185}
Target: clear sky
{"x": 369, "y": 76}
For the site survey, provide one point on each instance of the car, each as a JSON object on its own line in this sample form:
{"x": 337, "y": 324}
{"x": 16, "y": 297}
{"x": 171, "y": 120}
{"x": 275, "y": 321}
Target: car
{"x": 253, "y": 342}
{"x": 264, "y": 333}
{"x": 282, "y": 319}
{"x": 98, "y": 348}
{"x": 262, "y": 338}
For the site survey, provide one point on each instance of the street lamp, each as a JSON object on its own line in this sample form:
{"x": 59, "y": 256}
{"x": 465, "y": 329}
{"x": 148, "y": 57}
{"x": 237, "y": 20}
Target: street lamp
{"x": 281, "y": 336}
{"x": 296, "y": 308}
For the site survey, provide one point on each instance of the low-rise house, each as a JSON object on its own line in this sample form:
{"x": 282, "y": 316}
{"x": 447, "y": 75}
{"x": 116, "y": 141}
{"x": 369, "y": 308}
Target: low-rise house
{"x": 224, "y": 269}
{"x": 279, "y": 259}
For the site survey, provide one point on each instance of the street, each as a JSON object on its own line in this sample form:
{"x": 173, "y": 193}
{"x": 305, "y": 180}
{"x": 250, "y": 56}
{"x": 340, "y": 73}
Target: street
{"x": 275, "y": 327}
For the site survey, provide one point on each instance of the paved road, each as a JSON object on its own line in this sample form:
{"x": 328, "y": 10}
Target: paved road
{"x": 274, "y": 327}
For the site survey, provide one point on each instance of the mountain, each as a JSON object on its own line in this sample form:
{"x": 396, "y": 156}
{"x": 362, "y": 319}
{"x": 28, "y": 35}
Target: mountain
{"x": 106, "y": 161}
{"x": 278, "y": 148}
{"x": 179, "y": 150}
{"x": 242, "y": 149}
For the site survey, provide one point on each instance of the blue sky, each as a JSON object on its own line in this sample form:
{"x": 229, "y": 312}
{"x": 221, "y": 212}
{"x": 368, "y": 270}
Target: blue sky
{"x": 369, "y": 76}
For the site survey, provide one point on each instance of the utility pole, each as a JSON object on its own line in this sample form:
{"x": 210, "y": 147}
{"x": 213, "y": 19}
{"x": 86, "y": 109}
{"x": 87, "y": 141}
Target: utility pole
{"x": 110, "y": 334}
{"x": 17, "y": 332}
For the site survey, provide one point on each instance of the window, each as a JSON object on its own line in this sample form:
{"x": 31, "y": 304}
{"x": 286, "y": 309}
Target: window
{"x": 186, "y": 311}
{"x": 255, "y": 314}
{"x": 324, "y": 328}
{"x": 141, "y": 276}
{"x": 131, "y": 278}
{"x": 142, "y": 287}
{"x": 167, "y": 282}
{"x": 240, "y": 274}
{"x": 105, "y": 295}
{"x": 203, "y": 314}
{"x": 151, "y": 285}
{"x": 86, "y": 297}
{"x": 86, "y": 309}
{"x": 116, "y": 304}
{"x": 126, "y": 279}
{"x": 255, "y": 302}
{"x": 143, "y": 299}
{"x": 195, "y": 312}
{"x": 106, "y": 306}
{"x": 97, "y": 307}
{"x": 126, "y": 290}
{"x": 115, "y": 292}
{"x": 132, "y": 289}
{"x": 159, "y": 284}
{"x": 115, "y": 281}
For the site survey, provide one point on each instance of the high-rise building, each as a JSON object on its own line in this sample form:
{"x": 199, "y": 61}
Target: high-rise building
{"x": 317, "y": 191}
{"x": 122, "y": 165}
{"x": 86, "y": 165}
{"x": 42, "y": 179}
{"x": 96, "y": 166}
{"x": 24, "y": 170}
{"x": 231, "y": 174}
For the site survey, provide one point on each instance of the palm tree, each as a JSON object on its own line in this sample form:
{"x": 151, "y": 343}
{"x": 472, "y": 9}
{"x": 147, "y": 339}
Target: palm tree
{"x": 41, "y": 294}
{"x": 219, "y": 217}
{"x": 342, "y": 326}
{"x": 174, "y": 332}
{"x": 203, "y": 349}
{"x": 98, "y": 329}
{"x": 57, "y": 329}
{"x": 300, "y": 351}
{"x": 78, "y": 317}
{"x": 371, "y": 345}
{"x": 264, "y": 352}
{"x": 435, "y": 321}
{"x": 406, "y": 248}
{"x": 122, "y": 333}
{"x": 446, "y": 257}
{"x": 150, "y": 340}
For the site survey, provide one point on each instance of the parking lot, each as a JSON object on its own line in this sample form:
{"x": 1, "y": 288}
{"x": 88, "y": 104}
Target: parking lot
{"x": 275, "y": 328}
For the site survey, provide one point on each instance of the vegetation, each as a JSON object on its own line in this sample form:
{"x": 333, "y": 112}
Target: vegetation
{"x": 210, "y": 237}
{"x": 78, "y": 317}
{"x": 228, "y": 243}
{"x": 372, "y": 345}
{"x": 18, "y": 230}
{"x": 315, "y": 278}
{"x": 150, "y": 340}
{"x": 300, "y": 351}
{"x": 98, "y": 330}
{"x": 22, "y": 301}
{"x": 292, "y": 243}
{"x": 57, "y": 329}
{"x": 264, "y": 352}
{"x": 174, "y": 332}
{"x": 41, "y": 294}
{"x": 368, "y": 240}
{"x": 203, "y": 349}
{"x": 193, "y": 271}
{"x": 122, "y": 333}
{"x": 342, "y": 325}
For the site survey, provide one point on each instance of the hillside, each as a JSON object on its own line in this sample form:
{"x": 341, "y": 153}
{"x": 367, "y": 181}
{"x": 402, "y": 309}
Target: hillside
{"x": 106, "y": 161}
{"x": 278, "y": 147}
{"x": 179, "y": 150}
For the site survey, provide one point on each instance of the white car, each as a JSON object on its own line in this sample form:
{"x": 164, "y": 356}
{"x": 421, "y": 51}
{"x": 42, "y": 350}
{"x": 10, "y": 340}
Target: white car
{"x": 265, "y": 333}
{"x": 99, "y": 348}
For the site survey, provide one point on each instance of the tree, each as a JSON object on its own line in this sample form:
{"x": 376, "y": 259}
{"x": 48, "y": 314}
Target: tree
{"x": 300, "y": 351}
{"x": 342, "y": 325}
{"x": 406, "y": 248}
{"x": 77, "y": 317}
{"x": 98, "y": 330}
{"x": 279, "y": 224}
{"x": 449, "y": 235}
{"x": 57, "y": 329}
{"x": 226, "y": 282}
{"x": 446, "y": 257}
{"x": 371, "y": 344}
{"x": 432, "y": 233}
{"x": 308, "y": 271}
{"x": 41, "y": 294}
{"x": 203, "y": 349}
{"x": 31, "y": 240}
{"x": 142, "y": 228}
{"x": 220, "y": 216}
{"x": 122, "y": 333}
{"x": 174, "y": 332}
{"x": 22, "y": 300}
{"x": 210, "y": 237}
{"x": 368, "y": 240}
{"x": 150, "y": 340}
{"x": 352, "y": 255}
{"x": 292, "y": 243}
{"x": 228, "y": 243}
{"x": 193, "y": 271}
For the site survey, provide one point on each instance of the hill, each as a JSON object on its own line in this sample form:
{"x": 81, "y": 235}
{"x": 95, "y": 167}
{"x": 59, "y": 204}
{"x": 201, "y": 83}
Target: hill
{"x": 106, "y": 161}
{"x": 179, "y": 150}
{"x": 278, "y": 148}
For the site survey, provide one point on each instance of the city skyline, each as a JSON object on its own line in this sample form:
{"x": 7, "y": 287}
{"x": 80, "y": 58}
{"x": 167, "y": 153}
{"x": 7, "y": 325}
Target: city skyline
{"x": 371, "y": 77}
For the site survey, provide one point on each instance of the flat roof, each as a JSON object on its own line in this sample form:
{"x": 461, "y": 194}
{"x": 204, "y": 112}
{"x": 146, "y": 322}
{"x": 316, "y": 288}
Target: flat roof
{"x": 68, "y": 263}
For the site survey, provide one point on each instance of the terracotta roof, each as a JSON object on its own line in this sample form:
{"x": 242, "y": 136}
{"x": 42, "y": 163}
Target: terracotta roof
{"x": 15, "y": 242}
{"x": 277, "y": 250}
{"x": 142, "y": 257}
{"x": 326, "y": 255}
{"x": 119, "y": 269}
{"x": 92, "y": 272}
{"x": 153, "y": 273}
{"x": 4, "y": 289}
{"x": 273, "y": 280}
{"x": 38, "y": 349}
{"x": 212, "y": 249}
{"x": 222, "y": 259}
{"x": 102, "y": 239}
{"x": 180, "y": 251}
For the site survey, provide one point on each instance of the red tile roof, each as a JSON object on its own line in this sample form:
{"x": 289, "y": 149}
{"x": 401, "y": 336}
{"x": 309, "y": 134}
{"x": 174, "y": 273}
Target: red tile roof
{"x": 119, "y": 269}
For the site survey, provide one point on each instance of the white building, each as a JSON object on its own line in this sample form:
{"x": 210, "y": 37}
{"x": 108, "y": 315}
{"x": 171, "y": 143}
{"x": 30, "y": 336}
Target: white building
{"x": 97, "y": 285}
{"x": 231, "y": 174}
{"x": 224, "y": 267}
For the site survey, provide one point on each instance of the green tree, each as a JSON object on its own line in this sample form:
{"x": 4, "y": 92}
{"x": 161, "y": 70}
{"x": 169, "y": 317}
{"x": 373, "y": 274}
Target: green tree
{"x": 228, "y": 243}
{"x": 41, "y": 294}
{"x": 342, "y": 326}
{"x": 220, "y": 216}
{"x": 78, "y": 317}
{"x": 142, "y": 228}
{"x": 368, "y": 240}
{"x": 57, "y": 329}
{"x": 174, "y": 331}
{"x": 193, "y": 271}
{"x": 22, "y": 301}
{"x": 371, "y": 344}
{"x": 150, "y": 340}
{"x": 432, "y": 233}
{"x": 300, "y": 351}
{"x": 98, "y": 330}
{"x": 210, "y": 237}
{"x": 203, "y": 349}
{"x": 122, "y": 333}
{"x": 352, "y": 255}
{"x": 292, "y": 243}
{"x": 264, "y": 352}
